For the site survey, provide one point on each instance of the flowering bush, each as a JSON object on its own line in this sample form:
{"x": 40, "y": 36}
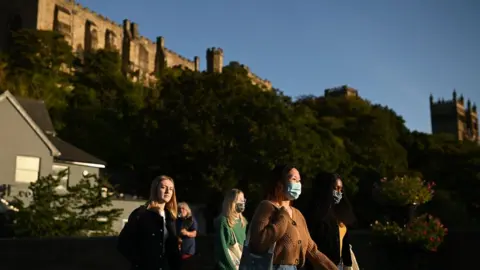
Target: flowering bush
{"x": 425, "y": 230}
{"x": 388, "y": 229}
{"x": 401, "y": 191}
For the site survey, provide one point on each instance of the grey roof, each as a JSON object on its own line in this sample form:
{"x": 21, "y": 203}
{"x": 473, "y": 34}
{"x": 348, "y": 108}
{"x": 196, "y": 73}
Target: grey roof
{"x": 37, "y": 110}
{"x": 69, "y": 152}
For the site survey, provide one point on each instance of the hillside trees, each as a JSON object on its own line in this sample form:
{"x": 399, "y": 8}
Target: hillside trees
{"x": 225, "y": 132}
{"x": 211, "y": 131}
{"x": 36, "y": 66}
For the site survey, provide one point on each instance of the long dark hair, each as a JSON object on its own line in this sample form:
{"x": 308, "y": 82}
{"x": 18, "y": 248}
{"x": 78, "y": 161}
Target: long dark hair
{"x": 323, "y": 206}
{"x": 277, "y": 181}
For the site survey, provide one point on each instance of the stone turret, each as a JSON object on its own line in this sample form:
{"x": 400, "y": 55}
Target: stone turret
{"x": 134, "y": 30}
{"x": 197, "y": 63}
{"x": 160, "y": 56}
{"x": 214, "y": 60}
{"x": 126, "y": 46}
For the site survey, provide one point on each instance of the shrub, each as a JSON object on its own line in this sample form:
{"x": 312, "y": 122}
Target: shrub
{"x": 425, "y": 231}
{"x": 401, "y": 191}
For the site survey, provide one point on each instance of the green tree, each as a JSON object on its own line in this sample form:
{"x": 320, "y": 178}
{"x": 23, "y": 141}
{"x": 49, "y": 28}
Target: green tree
{"x": 102, "y": 107}
{"x": 217, "y": 131}
{"x": 37, "y": 66}
{"x": 77, "y": 212}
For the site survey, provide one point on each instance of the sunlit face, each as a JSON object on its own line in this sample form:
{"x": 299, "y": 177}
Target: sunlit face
{"x": 338, "y": 185}
{"x": 183, "y": 211}
{"x": 294, "y": 176}
{"x": 241, "y": 198}
{"x": 165, "y": 192}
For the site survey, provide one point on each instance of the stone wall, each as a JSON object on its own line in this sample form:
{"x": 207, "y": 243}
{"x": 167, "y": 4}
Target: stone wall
{"x": 458, "y": 252}
{"x": 85, "y": 30}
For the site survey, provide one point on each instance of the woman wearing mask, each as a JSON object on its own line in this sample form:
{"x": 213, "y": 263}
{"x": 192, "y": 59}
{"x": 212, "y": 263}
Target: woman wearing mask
{"x": 152, "y": 236}
{"x": 187, "y": 228}
{"x": 230, "y": 231}
{"x": 329, "y": 218}
{"x": 276, "y": 222}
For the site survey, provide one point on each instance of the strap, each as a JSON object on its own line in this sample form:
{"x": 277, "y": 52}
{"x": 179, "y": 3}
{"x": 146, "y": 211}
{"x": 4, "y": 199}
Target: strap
{"x": 234, "y": 236}
{"x": 247, "y": 241}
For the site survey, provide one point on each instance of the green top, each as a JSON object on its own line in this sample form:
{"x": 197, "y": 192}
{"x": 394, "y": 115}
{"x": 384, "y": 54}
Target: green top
{"x": 224, "y": 239}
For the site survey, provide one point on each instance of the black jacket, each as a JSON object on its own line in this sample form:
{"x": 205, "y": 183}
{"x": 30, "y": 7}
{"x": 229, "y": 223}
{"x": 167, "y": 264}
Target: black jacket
{"x": 327, "y": 237}
{"x": 141, "y": 241}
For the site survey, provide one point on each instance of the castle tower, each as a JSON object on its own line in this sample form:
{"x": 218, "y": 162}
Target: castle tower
{"x": 451, "y": 117}
{"x": 214, "y": 60}
{"x": 472, "y": 122}
{"x": 160, "y": 57}
{"x": 341, "y": 91}
{"x": 126, "y": 45}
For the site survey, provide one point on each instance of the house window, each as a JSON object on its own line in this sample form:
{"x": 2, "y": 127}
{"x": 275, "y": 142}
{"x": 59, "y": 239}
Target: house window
{"x": 57, "y": 169}
{"x": 27, "y": 169}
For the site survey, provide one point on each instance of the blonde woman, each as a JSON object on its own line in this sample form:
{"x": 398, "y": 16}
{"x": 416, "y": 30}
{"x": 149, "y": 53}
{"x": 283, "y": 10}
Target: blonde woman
{"x": 230, "y": 231}
{"x": 187, "y": 227}
{"x": 150, "y": 233}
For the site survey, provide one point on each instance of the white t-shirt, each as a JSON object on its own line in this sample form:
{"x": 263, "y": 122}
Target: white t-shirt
{"x": 165, "y": 231}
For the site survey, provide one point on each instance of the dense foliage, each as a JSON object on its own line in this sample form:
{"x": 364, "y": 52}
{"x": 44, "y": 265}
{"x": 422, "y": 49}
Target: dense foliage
{"x": 81, "y": 211}
{"x": 212, "y": 131}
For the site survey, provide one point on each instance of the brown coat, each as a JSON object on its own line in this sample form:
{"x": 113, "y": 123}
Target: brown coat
{"x": 293, "y": 242}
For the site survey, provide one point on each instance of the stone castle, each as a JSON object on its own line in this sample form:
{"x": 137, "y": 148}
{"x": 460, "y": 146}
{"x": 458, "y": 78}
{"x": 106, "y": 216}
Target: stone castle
{"x": 455, "y": 117}
{"x": 86, "y": 30}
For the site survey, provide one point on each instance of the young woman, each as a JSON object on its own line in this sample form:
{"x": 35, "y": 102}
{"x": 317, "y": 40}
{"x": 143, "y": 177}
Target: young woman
{"x": 187, "y": 228}
{"x": 329, "y": 218}
{"x": 230, "y": 231}
{"x": 150, "y": 236}
{"x": 276, "y": 221}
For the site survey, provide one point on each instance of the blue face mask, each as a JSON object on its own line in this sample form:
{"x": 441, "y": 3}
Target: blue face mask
{"x": 294, "y": 189}
{"x": 337, "y": 196}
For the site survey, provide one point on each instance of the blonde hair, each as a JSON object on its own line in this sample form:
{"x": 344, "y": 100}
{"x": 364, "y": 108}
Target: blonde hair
{"x": 228, "y": 208}
{"x": 171, "y": 206}
{"x": 185, "y": 205}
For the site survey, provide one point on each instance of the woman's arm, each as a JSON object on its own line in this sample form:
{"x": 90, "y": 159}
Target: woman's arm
{"x": 267, "y": 226}
{"x": 192, "y": 231}
{"x": 224, "y": 241}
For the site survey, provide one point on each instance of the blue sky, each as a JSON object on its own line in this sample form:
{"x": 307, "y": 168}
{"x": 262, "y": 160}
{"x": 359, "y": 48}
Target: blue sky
{"x": 395, "y": 52}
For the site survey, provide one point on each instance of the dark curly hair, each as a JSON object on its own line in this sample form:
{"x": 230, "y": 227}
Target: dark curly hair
{"x": 324, "y": 208}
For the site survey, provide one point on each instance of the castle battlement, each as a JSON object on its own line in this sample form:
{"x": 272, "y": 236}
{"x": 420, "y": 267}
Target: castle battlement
{"x": 86, "y": 30}
{"x": 257, "y": 80}
{"x": 79, "y": 6}
{"x": 341, "y": 91}
{"x": 455, "y": 116}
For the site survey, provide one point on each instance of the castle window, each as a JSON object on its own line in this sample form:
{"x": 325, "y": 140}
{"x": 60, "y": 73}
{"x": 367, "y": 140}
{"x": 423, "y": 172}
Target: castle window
{"x": 62, "y": 20}
{"x": 110, "y": 40}
{"x": 143, "y": 58}
{"x": 91, "y": 36}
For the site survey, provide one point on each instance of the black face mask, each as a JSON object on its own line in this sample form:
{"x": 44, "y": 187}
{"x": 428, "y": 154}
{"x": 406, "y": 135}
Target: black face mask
{"x": 239, "y": 207}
